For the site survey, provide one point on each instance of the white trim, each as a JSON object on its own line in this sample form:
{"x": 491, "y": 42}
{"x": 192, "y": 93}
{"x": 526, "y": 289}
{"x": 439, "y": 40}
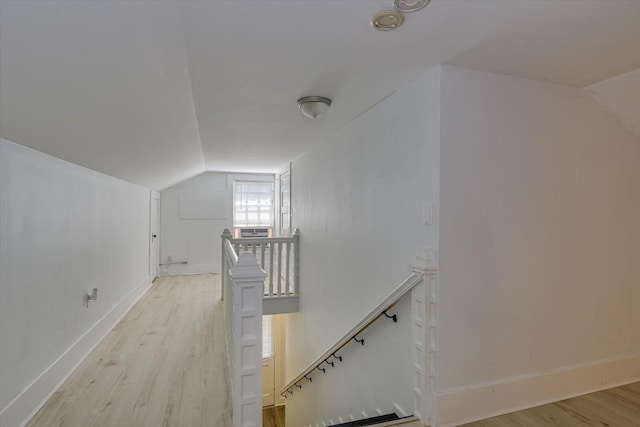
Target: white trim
{"x": 21, "y": 409}
{"x": 410, "y": 419}
{"x": 400, "y": 411}
{"x": 277, "y": 213}
{"x": 463, "y": 405}
{"x": 279, "y": 305}
{"x": 419, "y": 350}
{"x": 154, "y": 270}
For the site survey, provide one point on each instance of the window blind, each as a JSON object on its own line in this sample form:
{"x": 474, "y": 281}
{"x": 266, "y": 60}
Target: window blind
{"x": 252, "y": 204}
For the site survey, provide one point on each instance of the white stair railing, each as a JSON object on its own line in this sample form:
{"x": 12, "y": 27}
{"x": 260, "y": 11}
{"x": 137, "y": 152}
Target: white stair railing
{"x": 278, "y": 256}
{"x": 243, "y": 284}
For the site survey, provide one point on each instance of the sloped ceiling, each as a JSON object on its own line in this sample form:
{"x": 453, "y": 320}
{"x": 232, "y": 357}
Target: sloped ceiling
{"x": 576, "y": 43}
{"x": 102, "y": 84}
{"x": 621, "y": 97}
{"x": 155, "y": 92}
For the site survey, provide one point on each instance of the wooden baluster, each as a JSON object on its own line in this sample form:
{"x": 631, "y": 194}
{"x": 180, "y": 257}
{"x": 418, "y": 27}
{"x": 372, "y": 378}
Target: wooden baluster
{"x": 260, "y": 246}
{"x": 271, "y": 269}
{"x": 287, "y": 279}
{"x": 279, "y": 269}
{"x": 296, "y": 261}
{"x": 253, "y": 248}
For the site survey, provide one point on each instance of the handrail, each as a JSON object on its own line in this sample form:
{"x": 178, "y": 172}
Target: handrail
{"x": 250, "y": 240}
{"x": 233, "y": 256}
{"x": 228, "y": 256}
{"x": 408, "y": 284}
{"x": 278, "y": 256}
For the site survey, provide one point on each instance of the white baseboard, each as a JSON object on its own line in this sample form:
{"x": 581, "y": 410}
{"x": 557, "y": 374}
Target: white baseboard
{"x": 179, "y": 269}
{"x": 21, "y": 409}
{"x": 467, "y": 404}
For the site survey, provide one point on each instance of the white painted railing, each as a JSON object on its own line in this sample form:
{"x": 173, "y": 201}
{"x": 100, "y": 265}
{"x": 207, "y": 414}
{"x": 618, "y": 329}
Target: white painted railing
{"x": 243, "y": 284}
{"x": 247, "y": 296}
{"x": 279, "y": 257}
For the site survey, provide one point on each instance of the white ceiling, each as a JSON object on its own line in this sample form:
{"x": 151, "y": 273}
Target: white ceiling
{"x": 621, "y": 96}
{"x": 155, "y": 92}
{"x": 576, "y": 43}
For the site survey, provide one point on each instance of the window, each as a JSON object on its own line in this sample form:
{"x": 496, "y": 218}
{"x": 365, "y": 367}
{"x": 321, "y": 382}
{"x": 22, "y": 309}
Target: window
{"x": 252, "y": 204}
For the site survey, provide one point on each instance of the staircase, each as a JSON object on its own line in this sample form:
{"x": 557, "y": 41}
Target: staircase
{"x": 261, "y": 276}
{"x": 371, "y": 421}
{"x": 387, "y": 420}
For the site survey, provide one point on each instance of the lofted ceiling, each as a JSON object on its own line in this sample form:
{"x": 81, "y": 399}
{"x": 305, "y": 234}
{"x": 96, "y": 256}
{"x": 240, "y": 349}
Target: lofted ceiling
{"x": 154, "y": 92}
{"x": 620, "y": 95}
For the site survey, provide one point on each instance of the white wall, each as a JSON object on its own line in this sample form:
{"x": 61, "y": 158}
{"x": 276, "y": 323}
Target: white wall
{"x": 357, "y": 200}
{"x": 194, "y": 213}
{"x": 64, "y": 230}
{"x": 539, "y": 245}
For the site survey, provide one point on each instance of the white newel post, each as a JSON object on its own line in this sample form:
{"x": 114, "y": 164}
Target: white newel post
{"x": 246, "y": 379}
{"x": 425, "y": 338}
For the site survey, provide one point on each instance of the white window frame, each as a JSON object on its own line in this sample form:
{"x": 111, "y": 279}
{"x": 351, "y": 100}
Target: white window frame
{"x": 259, "y": 223}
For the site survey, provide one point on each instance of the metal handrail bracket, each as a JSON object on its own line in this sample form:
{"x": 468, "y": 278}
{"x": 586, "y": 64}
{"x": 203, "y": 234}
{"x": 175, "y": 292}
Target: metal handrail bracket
{"x": 408, "y": 284}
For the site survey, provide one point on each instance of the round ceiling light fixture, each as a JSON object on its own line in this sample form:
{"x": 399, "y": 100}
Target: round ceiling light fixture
{"x": 387, "y": 20}
{"x": 314, "y": 106}
{"x": 408, "y": 6}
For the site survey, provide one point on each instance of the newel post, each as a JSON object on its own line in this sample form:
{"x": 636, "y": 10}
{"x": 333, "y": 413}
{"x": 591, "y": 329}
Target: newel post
{"x": 246, "y": 378}
{"x": 226, "y": 234}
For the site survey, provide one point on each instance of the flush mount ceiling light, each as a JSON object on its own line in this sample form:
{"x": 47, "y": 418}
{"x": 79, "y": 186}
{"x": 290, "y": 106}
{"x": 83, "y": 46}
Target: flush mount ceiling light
{"x": 387, "y": 20}
{"x": 407, "y": 6}
{"x": 314, "y": 106}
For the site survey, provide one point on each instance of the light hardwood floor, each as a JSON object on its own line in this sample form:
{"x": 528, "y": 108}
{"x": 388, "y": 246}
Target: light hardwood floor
{"x": 273, "y": 416}
{"x": 616, "y": 407}
{"x": 163, "y": 365}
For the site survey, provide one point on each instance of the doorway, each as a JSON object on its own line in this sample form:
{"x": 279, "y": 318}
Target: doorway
{"x": 273, "y": 336}
{"x": 154, "y": 220}
{"x": 284, "y": 202}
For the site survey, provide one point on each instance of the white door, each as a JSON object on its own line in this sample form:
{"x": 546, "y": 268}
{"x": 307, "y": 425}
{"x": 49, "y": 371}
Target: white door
{"x": 279, "y": 331}
{"x": 285, "y": 202}
{"x": 268, "y": 362}
{"x": 154, "y": 221}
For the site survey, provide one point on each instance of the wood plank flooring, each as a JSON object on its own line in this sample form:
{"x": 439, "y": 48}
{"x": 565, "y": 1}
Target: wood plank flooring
{"x": 273, "y": 416}
{"x": 616, "y": 407}
{"x": 163, "y": 365}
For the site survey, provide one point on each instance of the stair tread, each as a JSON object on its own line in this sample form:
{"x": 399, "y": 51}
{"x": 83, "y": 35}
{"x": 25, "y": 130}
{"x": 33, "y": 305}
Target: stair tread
{"x": 370, "y": 421}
